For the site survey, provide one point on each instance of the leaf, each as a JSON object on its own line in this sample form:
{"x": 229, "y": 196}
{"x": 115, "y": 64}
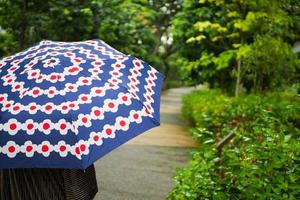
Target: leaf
{"x": 216, "y": 38}
{"x": 224, "y": 59}
{"x": 287, "y": 138}
{"x": 233, "y": 14}
{"x": 206, "y": 58}
{"x": 202, "y": 26}
{"x": 243, "y": 51}
{"x": 251, "y": 19}
{"x": 237, "y": 45}
{"x": 196, "y": 39}
{"x": 66, "y": 12}
{"x": 208, "y": 141}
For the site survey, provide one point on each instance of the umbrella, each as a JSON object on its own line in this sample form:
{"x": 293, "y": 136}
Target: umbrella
{"x": 67, "y": 104}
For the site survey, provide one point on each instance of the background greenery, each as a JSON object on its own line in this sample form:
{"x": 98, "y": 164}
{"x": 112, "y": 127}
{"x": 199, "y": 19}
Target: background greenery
{"x": 138, "y": 27}
{"x": 241, "y": 48}
{"x": 236, "y": 46}
{"x": 262, "y": 160}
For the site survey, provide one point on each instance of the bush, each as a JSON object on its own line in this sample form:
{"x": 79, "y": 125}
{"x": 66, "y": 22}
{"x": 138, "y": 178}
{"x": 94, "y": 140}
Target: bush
{"x": 261, "y": 161}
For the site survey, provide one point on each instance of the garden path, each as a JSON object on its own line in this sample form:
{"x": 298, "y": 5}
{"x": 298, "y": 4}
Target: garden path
{"x": 142, "y": 169}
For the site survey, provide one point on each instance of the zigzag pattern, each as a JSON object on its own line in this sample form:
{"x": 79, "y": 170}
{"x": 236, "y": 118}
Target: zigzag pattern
{"x": 68, "y": 78}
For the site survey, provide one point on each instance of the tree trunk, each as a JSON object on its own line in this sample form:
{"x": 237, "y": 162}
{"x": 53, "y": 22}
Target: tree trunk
{"x": 238, "y": 85}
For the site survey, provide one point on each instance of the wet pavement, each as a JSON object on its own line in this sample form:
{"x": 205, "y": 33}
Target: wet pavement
{"x": 142, "y": 169}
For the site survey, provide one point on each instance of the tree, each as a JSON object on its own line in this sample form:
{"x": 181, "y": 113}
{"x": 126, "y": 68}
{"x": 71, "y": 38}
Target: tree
{"x": 70, "y": 20}
{"x": 33, "y": 20}
{"x": 164, "y": 10}
{"x": 24, "y": 20}
{"x": 224, "y": 33}
{"x": 126, "y": 25}
{"x": 7, "y": 43}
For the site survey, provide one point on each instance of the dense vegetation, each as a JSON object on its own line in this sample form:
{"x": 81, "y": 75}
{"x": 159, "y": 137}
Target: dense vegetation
{"x": 238, "y": 45}
{"x": 137, "y": 27}
{"x": 249, "y": 144}
{"x": 262, "y": 159}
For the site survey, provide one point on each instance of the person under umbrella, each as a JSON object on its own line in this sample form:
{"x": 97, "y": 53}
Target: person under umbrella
{"x": 63, "y": 106}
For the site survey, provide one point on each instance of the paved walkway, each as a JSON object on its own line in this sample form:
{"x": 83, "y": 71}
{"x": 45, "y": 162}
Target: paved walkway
{"x": 142, "y": 169}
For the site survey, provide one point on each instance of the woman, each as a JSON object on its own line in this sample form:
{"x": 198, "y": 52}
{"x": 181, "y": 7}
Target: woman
{"x": 48, "y": 184}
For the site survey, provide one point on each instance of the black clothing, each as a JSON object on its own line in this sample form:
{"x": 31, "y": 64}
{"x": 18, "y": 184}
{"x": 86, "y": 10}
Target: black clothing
{"x": 48, "y": 184}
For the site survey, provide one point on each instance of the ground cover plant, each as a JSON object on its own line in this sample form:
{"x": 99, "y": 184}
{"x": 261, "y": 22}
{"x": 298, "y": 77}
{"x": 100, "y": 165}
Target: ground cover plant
{"x": 261, "y": 161}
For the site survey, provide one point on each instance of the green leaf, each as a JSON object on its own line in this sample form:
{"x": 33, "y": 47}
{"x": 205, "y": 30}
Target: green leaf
{"x": 224, "y": 59}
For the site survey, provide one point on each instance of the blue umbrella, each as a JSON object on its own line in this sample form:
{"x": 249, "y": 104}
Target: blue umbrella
{"x": 67, "y": 104}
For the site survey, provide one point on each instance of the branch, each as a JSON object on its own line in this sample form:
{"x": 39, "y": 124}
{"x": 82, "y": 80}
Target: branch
{"x": 223, "y": 142}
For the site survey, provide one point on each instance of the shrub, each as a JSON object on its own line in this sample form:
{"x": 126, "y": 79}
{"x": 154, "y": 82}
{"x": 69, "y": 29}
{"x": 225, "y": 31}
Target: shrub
{"x": 261, "y": 161}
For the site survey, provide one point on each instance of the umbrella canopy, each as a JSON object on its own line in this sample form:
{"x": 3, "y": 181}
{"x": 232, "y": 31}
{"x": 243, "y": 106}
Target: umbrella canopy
{"x": 66, "y": 104}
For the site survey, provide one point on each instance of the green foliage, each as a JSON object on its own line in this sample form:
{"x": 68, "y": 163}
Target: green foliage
{"x": 70, "y": 20}
{"x": 7, "y": 43}
{"x": 126, "y": 26}
{"x": 262, "y": 160}
{"x": 136, "y": 27}
{"x": 229, "y": 32}
{"x": 269, "y": 64}
{"x": 31, "y": 21}
{"x": 203, "y": 109}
